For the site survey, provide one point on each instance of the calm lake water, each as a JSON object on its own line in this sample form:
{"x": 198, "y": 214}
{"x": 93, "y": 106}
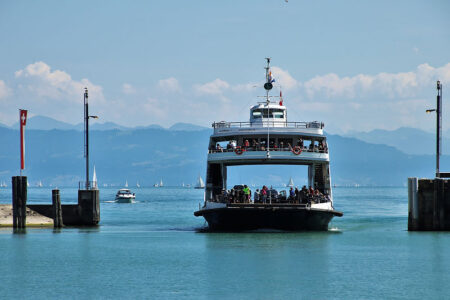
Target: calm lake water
{"x": 150, "y": 249}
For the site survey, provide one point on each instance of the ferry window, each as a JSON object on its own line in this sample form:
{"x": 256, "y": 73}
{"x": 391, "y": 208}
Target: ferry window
{"x": 278, "y": 114}
{"x": 257, "y": 114}
{"x": 268, "y": 113}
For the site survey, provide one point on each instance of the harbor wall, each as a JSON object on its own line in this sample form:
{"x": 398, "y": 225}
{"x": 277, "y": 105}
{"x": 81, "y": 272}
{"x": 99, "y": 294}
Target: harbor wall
{"x": 428, "y": 204}
{"x": 71, "y": 213}
{"x": 85, "y": 213}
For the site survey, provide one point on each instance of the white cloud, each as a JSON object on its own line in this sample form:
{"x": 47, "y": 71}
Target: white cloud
{"x": 363, "y": 101}
{"x": 5, "y": 91}
{"x": 215, "y": 87}
{"x": 392, "y": 85}
{"x": 128, "y": 89}
{"x": 42, "y": 82}
{"x": 169, "y": 85}
{"x": 284, "y": 79}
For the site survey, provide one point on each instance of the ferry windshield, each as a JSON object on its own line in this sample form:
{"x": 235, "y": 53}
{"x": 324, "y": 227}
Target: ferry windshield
{"x": 268, "y": 113}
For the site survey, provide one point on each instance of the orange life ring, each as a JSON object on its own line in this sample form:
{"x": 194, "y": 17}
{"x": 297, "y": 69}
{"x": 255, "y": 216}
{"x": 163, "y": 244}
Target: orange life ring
{"x": 297, "y": 150}
{"x": 239, "y": 150}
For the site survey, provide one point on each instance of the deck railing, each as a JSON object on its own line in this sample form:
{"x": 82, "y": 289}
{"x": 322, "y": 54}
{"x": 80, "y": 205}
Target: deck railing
{"x": 275, "y": 124}
{"x": 240, "y": 200}
{"x": 305, "y": 149}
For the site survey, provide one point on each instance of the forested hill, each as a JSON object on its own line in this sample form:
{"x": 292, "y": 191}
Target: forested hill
{"x": 149, "y": 154}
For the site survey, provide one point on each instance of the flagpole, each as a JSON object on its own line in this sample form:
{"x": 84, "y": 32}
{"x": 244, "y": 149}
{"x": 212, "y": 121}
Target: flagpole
{"x": 21, "y": 141}
{"x": 22, "y": 122}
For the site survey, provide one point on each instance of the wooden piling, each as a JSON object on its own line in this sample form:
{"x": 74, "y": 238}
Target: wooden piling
{"x": 57, "y": 211}
{"x": 19, "y": 201}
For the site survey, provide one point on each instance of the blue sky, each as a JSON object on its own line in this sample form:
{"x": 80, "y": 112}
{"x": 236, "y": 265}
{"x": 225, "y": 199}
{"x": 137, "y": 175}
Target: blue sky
{"x": 356, "y": 65}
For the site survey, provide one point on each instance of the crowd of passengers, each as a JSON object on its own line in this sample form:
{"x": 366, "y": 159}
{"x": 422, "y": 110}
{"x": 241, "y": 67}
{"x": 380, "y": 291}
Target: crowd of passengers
{"x": 243, "y": 194}
{"x": 254, "y": 145}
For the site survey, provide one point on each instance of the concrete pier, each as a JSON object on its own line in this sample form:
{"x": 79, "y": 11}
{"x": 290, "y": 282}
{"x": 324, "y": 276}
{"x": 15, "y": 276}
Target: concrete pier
{"x": 428, "y": 204}
{"x": 85, "y": 213}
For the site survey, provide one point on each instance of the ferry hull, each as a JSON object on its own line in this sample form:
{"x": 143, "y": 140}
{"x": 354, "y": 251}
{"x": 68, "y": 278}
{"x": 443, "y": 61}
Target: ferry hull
{"x": 243, "y": 219}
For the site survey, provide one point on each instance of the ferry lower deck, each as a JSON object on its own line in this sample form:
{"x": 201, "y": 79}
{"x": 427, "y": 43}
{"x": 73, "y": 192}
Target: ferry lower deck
{"x": 280, "y": 216}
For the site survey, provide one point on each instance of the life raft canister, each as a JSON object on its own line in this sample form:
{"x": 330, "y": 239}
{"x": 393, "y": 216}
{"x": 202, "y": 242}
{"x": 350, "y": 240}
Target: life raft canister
{"x": 239, "y": 150}
{"x": 297, "y": 150}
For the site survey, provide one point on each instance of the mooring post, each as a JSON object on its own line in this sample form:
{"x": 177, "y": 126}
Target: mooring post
{"x": 89, "y": 203}
{"x": 57, "y": 212}
{"x": 19, "y": 201}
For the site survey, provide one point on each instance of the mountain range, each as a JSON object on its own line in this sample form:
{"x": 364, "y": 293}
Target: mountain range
{"x": 408, "y": 140}
{"x": 46, "y": 123}
{"x": 178, "y": 154}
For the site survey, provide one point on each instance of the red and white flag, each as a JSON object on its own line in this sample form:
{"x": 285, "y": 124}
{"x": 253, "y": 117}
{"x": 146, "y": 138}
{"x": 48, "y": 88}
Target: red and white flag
{"x": 23, "y": 122}
{"x": 281, "y": 99}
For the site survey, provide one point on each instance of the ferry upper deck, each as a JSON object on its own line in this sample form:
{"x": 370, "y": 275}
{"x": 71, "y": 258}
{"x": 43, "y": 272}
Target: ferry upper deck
{"x": 268, "y": 138}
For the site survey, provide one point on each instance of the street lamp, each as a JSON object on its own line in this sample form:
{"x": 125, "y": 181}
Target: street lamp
{"x": 438, "y": 111}
{"x": 86, "y": 135}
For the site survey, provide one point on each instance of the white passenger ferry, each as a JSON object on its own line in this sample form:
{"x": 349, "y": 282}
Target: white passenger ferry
{"x": 268, "y": 139}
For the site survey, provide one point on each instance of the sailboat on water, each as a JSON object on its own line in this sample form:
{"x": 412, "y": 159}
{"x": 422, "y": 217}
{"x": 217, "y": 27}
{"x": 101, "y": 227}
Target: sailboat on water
{"x": 40, "y": 184}
{"x": 160, "y": 184}
{"x": 126, "y": 183}
{"x": 200, "y": 184}
{"x": 291, "y": 183}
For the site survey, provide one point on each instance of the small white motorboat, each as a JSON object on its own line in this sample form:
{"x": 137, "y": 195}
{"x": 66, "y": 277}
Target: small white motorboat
{"x": 125, "y": 196}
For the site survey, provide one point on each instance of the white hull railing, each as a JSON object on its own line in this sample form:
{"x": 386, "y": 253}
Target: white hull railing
{"x": 223, "y": 124}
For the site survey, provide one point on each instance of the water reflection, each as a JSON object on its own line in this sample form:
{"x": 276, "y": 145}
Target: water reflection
{"x": 265, "y": 263}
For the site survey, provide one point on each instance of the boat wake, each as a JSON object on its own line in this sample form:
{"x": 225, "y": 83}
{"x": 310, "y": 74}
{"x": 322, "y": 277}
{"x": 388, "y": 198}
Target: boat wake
{"x": 334, "y": 229}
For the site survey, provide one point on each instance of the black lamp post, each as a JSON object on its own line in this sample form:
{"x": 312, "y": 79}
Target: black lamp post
{"x": 86, "y": 135}
{"x": 438, "y": 111}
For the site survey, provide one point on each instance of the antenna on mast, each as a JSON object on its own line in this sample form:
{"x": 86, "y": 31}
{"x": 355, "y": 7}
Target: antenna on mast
{"x": 268, "y": 85}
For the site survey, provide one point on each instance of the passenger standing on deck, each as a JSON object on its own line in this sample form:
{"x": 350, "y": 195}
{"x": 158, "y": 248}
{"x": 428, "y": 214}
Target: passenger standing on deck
{"x": 246, "y": 144}
{"x": 229, "y": 147}
{"x": 264, "y": 194}
{"x": 246, "y": 191}
{"x": 291, "y": 194}
{"x": 256, "y": 197}
{"x": 233, "y": 195}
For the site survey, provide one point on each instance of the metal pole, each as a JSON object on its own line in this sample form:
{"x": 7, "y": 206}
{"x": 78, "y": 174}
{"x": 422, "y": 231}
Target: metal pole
{"x": 438, "y": 126}
{"x": 86, "y": 133}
